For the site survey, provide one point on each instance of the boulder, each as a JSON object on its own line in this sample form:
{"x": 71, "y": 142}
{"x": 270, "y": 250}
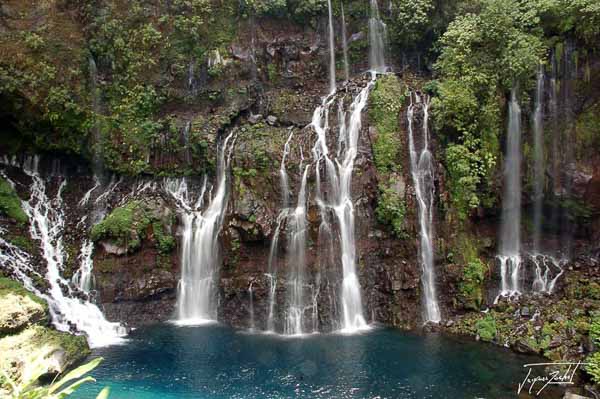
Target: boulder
{"x": 18, "y": 312}
{"x": 40, "y": 352}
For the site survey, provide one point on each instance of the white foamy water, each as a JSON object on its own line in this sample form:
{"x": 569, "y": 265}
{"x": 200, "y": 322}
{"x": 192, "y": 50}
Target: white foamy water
{"x": 197, "y": 291}
{"x": 47, "y": 226}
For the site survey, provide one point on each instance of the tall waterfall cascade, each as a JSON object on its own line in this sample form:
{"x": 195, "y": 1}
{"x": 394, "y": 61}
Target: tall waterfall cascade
{"x": 345, "y": 45}
{"x": 538, "y": 156}
{"x": 331, "y": 50}
{"x": 333, "y": 195}
{"x": 510, "y": 230}
{"x": 338, "y": 174}
{"x": 197, "y": 289}
{"x": 296, "y": 262}
{"x": 47, "y": 225}
{"x": 548, "y": 268}
{"x": 423, "y": 176}
{"x": 377, "y": 39}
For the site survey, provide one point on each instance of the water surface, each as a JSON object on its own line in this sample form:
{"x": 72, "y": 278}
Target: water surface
{"x": 167, "y": 361}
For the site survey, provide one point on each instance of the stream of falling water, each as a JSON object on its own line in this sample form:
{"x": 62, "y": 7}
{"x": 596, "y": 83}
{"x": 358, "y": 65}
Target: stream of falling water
{"x": 196, "y": 295}
{"x": 510, "y": 231}
{"x": 538, "y": 160}
{"x": 331, "y": 50}
{"x": 345, "y": 45}
{"x": 296, "y": 262}
{"x": 47, "y": 224}
{"x": 548, "y": 269}
{"x": 377, "y": 40}
{"x": 422, "y": 171}
{"x": 338, "y": 173}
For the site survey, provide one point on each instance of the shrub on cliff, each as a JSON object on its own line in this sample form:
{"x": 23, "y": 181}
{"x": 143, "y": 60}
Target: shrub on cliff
{"x": 471, "y": 286}
{"x": 10, "y": 204}
{"x": 128, "y": 225}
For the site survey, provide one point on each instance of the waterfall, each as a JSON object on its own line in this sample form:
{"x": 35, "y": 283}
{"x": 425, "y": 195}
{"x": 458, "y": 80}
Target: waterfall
{"x": 272, "y": 265}
{"x": 331, "y": 50}
{"x": 545, "y": 267}
{"x": 84, "y": 277}
{"x": 196, "y": 295}
{"x": 510, "y": 233}
{"x": 297, "y": 263}
{"x": 345, "y": 45}
{"x": 251, "y": 295}
{"x": 422, "y": 171}
{"x": 47, "y": 226}
{"x": 377, "y": 40}
{"x": 538, "y": 160}
{"x": 186, "y": 142}
{"x": 339, "y": 177}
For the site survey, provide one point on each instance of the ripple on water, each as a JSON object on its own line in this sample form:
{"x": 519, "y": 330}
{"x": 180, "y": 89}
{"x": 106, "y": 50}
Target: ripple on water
{"x": 213, "y": 361}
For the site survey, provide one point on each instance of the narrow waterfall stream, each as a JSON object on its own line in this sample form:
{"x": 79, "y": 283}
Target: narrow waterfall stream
{"x": 196, "y": 295}
{"x": 538, "y": 163}
{"x": 377, "y": 39}
{"x": 47, "y": 226}
{"x": 331, "y": 50}
{"x": 423, "y": 175}
{"x": 296, "y": 263}
{"x": 345, "y": 45}
{"x": 510, "y": 231}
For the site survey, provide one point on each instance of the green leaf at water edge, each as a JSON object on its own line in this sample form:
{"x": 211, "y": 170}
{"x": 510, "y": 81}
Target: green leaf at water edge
{"x": 104, "y": 393}
{"x": 73, "y": 387}
{"x": 77, "y": 373}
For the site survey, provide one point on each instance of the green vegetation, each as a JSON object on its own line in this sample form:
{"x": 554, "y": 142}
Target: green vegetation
{"x": 10, "y": 204}
{"x": 75, "y": 346}
{"x": 129, "y": 224}
{"x": 486, "y": 328}
{"x": 471, "y": 285}
{"x": 482, "y": 56}
{"x": 8, "y": 286}
{"x": 385, "y": 105}
{"x": 593, "y": 367}
{"x": 465, "y": 252}
{"x": 64, "y": 387}
{"x": 391, "y": 209}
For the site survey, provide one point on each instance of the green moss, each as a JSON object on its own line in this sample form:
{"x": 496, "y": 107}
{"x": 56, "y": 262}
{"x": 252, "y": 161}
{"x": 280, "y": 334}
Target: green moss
{"x": 21, "y": 241}
{"x": 129, "y": 224}
{"x": 391, "y": 209}
{"x": 593, "y": 366}
{"x": 123, "y": 226}
{"x": 10, "y": 204}
{"x": 384, "y": 108}
{"x": 471, "y": 285}
{"x": 582, "y": 288}
{"x": 75, "y": 346}
{"x": 8, "y": 286}
{"x": 486, "y": 328}
{"x": 164, "y": 242}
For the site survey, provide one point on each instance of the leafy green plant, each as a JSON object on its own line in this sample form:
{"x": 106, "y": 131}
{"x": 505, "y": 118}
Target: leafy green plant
{"x": 471, "y": 289}
{"x": 391, "y": 209}
{"x": 593, "y": 366}
{"x": 62, "y": 388}
{"x": 486, "y": 328}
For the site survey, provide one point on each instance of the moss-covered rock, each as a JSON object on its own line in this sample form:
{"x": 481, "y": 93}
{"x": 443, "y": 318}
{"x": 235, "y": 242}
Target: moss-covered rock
{"x": 39, "y": 350}
{"x": 10, "y": 204}
{"x": 385, "y": 105}
{"x": 123, "y": 230}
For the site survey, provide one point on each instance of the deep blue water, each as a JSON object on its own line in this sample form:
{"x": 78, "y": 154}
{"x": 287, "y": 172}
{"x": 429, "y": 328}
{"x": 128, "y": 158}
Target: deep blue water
{"x": 166, "y": 361}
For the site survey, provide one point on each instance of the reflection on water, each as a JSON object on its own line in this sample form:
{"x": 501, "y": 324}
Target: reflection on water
{"x": 167, "y": 361}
